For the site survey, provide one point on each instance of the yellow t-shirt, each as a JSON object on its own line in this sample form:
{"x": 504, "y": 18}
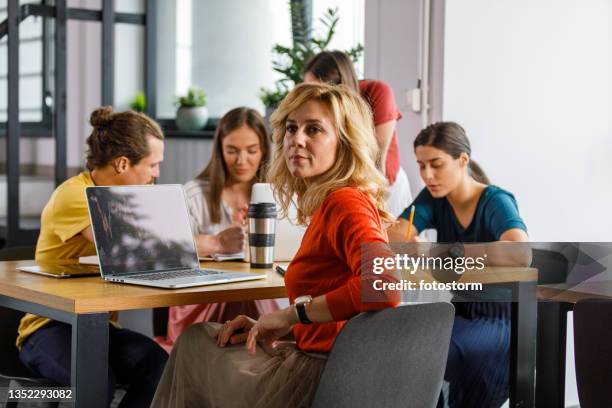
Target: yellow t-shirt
{"x": 62, "y": 220}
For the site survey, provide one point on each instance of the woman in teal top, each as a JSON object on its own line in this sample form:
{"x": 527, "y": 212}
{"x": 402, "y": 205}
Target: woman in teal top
{"x": 459, "y": 202}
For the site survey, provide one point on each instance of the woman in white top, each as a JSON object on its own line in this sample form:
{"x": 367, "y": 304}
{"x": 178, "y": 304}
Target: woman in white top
{"x": 218, "y": 200}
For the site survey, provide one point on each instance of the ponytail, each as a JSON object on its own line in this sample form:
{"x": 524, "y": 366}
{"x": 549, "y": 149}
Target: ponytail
{"x": 478, "y": 173}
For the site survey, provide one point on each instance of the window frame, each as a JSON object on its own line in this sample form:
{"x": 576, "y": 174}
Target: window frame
{"x": 44, "y": 127}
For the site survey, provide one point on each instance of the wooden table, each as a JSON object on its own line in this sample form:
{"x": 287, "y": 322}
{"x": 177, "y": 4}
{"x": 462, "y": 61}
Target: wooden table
{"x": 572, "y": 293}
{"x": 85, "y": 302}
{"x": 555, "y": 301}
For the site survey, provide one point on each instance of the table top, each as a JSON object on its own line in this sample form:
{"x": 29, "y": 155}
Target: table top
{"x": 92, "y": 294}
{"x": 572, "y": 293}
{"x": 488, "y": 275}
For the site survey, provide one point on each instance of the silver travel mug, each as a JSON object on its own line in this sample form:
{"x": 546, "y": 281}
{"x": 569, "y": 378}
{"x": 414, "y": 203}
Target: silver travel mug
{"x": 262, "y": 226}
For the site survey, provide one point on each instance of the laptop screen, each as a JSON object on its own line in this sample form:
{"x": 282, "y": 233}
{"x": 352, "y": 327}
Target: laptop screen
{"x": 141, "y": 228}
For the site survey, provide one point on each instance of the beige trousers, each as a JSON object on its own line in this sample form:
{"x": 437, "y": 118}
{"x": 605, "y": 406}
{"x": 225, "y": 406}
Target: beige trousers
{"x": 201, "y": 374}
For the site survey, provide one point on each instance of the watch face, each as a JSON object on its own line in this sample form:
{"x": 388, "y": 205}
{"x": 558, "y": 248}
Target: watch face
{"x": 303, "y": 299}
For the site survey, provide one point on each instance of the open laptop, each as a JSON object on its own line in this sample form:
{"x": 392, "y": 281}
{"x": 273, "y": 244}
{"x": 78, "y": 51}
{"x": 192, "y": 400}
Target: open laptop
{"x": 143, "y": 237}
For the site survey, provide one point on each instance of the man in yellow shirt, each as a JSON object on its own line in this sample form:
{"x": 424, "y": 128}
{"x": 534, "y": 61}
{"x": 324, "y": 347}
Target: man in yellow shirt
{"x": 124, "y": 148}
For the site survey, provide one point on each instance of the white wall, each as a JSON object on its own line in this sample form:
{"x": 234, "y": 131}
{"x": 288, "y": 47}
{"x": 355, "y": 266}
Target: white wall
{"x": 531, "y": 83}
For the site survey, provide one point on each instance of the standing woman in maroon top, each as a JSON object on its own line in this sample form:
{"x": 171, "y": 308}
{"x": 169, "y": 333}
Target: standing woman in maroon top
{"x": 324, "y": 158}
{"x": 335, "y": 67}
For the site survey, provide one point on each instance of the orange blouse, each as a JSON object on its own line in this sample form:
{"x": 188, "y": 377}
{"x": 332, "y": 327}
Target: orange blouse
{"x": 329, "y": 263}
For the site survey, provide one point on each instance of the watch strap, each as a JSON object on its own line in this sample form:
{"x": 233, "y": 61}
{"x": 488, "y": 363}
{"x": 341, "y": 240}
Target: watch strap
{"x": 301, "y": 312}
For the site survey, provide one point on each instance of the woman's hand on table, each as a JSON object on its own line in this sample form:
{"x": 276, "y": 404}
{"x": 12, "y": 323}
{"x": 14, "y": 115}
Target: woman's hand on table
{"x": 231, "y": 240}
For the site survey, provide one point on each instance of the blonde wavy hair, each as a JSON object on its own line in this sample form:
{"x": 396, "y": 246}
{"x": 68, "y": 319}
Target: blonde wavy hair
{"x": 356, "y": 155}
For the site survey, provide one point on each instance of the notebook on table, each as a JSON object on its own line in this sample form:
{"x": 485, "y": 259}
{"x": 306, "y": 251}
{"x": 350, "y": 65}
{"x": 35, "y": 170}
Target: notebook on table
{"x": 60, "y": 270}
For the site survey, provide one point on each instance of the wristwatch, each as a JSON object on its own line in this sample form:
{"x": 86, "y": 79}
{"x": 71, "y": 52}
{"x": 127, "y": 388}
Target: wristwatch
{"x": 300, "y": 308}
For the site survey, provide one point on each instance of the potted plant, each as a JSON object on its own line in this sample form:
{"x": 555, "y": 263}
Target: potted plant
{"x": 290, "y": 61}
{"x": 139, "y": 103}
{"x": 192, "y": 113}
{"x": 272, "y": 98}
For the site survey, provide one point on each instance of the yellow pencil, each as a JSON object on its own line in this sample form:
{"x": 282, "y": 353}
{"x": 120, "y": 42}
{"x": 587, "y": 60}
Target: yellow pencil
{"x": 410, "y": 222}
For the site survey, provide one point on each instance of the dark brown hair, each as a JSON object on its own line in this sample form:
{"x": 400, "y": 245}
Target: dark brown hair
{"x": 216, "y": 170}
{"x": 333, "y": 67}
{"x": 451, "y": 138}
{"x": 117, "y": 134}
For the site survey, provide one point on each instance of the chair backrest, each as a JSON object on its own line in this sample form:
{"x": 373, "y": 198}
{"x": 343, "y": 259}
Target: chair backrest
{"x": 552, "y": 266}
{"x": 391, "y": 358}
{"x": 593, "y": 351}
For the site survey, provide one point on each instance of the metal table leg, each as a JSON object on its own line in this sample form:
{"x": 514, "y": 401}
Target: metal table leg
{"x": 523, "y": 345}
{"x": 89, "y": 371}
{"x": 552, "y": 334}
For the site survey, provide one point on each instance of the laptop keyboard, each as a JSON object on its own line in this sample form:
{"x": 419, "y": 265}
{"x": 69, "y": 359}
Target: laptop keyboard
{"x": 182, "y": 273}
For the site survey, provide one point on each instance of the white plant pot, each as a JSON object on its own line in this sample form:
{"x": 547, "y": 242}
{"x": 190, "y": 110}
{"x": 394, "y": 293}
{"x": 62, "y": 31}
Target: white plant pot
{"x": 191, "y": 118}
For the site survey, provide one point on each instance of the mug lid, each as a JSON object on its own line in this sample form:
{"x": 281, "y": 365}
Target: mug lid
{"x": 262, "y": 210}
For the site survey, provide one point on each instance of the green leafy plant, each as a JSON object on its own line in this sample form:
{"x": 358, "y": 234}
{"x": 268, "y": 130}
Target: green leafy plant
{"x": 290, "y": 61}
{"x": 273, "y": 98}
{"x": 139, "y": 103}
{"x": 195, "y": 98}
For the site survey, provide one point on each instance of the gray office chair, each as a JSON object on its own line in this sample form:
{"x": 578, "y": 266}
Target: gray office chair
{"x": 593, "y": 352}
{"x": 553, "y": 266}
{"x": 392, "y": 358}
